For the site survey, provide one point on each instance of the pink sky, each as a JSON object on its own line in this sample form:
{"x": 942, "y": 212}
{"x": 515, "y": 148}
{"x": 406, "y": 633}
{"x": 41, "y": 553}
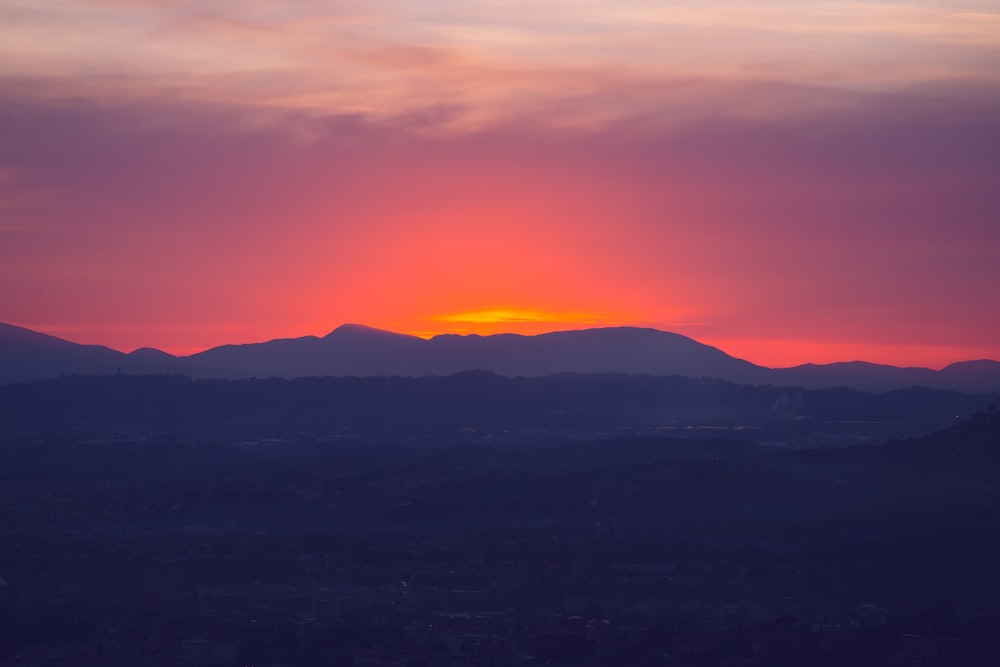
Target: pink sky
{"x": 792, "y": 183}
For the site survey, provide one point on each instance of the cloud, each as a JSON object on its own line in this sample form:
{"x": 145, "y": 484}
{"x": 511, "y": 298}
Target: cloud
{"x": 589, "y": 64}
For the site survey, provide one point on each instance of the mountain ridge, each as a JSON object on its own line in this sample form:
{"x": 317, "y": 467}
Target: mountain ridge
{"x": 359, "y": 350}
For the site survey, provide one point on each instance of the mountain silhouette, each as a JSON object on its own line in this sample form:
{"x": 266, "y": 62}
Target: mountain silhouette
{"x": 29, "y": 355}
{"x": 348, "y": 350}
{"x": 969, "y": 376}
{"x": 356, "y": 350}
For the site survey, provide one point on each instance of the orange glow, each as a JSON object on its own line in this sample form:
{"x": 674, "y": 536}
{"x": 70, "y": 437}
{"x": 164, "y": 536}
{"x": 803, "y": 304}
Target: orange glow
{"x": 272, "y": 172}
{"x": 511, "y": 316}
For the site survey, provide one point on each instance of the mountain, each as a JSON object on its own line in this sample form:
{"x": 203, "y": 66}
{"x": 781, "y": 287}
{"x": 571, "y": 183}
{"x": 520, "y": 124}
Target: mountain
{"x": 29, "y": 355}
{"x": 363, "y": 351}
{"x": 855, "y": 374}
{"x": 980, "y": 375}
{"x": 356, "y": 350}
{"x": 610, "y": 350}
{"x": 348, "y": 350}
{"x": 969, "y": 376}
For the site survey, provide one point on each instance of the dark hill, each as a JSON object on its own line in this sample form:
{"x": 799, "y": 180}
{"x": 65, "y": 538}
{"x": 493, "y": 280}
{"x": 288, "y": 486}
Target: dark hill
{"x": 355, "y": 350}
{"x": 362, "y": 351}
{"x": 29, "y": 355}
{"x": 481, "y": 400}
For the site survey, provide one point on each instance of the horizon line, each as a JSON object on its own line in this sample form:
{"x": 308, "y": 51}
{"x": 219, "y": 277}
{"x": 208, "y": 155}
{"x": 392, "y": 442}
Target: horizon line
{"x": 724, "y": 345}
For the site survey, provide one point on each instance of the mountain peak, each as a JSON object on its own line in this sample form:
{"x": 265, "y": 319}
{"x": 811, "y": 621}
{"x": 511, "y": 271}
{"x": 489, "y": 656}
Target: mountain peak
{"x": 151, "y": 354}
{"x": 352, "y": 330}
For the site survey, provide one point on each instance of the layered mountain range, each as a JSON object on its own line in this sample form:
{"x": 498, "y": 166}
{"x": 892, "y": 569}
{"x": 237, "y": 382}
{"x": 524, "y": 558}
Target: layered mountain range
{"x": 362, "y": 351}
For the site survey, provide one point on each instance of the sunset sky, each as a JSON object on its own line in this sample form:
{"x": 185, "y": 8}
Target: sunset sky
{"x": 791, "y": 181}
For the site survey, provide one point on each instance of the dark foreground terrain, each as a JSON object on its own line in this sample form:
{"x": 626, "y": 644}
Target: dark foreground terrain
{"x": 474, "y": 520}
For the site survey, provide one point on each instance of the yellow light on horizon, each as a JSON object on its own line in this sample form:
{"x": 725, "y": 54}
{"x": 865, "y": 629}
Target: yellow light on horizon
{"x": 502, "y": 315}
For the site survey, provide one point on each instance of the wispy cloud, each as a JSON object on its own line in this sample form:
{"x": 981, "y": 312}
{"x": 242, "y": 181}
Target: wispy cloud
{"x": 583, "y": 64}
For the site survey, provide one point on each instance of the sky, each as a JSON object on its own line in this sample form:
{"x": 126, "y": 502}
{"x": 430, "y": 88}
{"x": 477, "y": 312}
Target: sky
{"x": 790, "y": 181}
